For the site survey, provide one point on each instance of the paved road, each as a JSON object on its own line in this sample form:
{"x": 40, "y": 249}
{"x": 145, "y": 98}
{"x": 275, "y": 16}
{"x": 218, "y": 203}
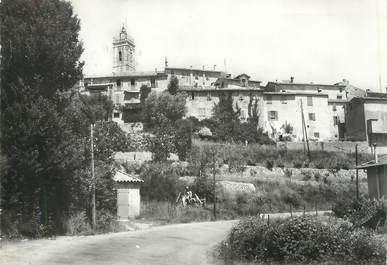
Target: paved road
{"x": 182, "y": 244}
{"x": 173, "y": 244}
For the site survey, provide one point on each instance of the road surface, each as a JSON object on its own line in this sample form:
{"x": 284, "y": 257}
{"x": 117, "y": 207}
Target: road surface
{"x": 172, "y": 244}
{"x": 183, "y": 244}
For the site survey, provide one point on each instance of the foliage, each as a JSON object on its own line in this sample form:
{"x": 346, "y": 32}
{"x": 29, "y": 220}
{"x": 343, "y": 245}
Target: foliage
{"x": 253, "y": 112}
{"x": 160, "y": 182}
{"x": 40, "y": 45}
{"x": 182, "y": 139}
{"x": 288, "y": 128}
{"x": 40, "y": 64}
{"x": 225, "y": 124}
{"x": 164, "y": 109}
{"x": 269, "y": 164}
{"x": 162, "y": 144}
{"x": 108, "y": 138}
{"x": 300, "y": 239}
{"x": 144, "y": 93}
{"x": 42, "y": 154}
{"x": 78, "y": 224}
{"x": 173, "y": 85}
{"x": 361, "y": 212}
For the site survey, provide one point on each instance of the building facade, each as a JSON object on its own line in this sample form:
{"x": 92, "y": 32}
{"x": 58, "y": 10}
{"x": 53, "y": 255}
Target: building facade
{"x": 366, "y": 120}
{"x": 322, "y": 112}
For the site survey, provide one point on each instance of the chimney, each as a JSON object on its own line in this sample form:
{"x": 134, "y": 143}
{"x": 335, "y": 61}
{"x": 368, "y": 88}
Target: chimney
{"x": 215, "y": 67}
{"x": 291, "y": 79}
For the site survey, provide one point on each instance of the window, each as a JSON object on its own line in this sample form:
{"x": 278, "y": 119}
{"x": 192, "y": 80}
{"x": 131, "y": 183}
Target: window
{"x": 316, "y": 134}
{"x": 196, "y": 77}
{"x": 309, "y": 101}
{"x": 339, "y": 97}
{"x": 312, "y": 116}
{"x": 118, "y": 82}
{"x": 283, "y": 99}
{"x": 272, "y": 115}
{"x": 120, "y": 56}
{"x": 269, "y": 99}
{"x": 334, "y": 108}
{"x": 116, "y": 114}
{"x": 192, "y": 95}
{"x": 132, "y": 82}
{"x": 208, "y": 96}
{"x": 153, "y": 82}
{"x": 335, "y": 120}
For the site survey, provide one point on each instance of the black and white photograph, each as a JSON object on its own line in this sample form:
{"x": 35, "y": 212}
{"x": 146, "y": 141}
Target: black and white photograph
{"x": 193, "y": 132}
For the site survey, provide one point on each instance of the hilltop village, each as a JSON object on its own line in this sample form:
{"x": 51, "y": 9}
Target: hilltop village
{"x": 332, "y": 112}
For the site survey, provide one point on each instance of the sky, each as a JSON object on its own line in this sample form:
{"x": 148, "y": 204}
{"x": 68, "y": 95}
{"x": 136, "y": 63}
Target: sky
{"x": 320, "y": 41}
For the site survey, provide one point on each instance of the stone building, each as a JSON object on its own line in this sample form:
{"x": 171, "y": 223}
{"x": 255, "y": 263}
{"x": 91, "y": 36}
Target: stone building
{"x": 123, "y": 85}
{"x": 366, "y": 120}
{"x": 279, "y": 103}
{"x": 323, "y": 107}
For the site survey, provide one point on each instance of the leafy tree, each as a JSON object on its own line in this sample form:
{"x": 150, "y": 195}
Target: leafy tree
{"x": 144, "y": 92}
{"x": 183, "y": 138}
{"x": 224, "y": 112}
{"x": 108, "y": 138}
{"x": 42, "y": 154}
{"x": 162, "y": 144}
{"x": 253, "y": 111}
{"x": 163, "y": 110}
{"x": 173, "y": 85}
{"x": 39, "y": 45}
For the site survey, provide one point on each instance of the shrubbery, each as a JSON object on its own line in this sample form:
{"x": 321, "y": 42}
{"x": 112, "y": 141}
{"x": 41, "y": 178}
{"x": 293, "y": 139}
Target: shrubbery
{"x": 160, "y": 182}
{"x": 361, "y": 212}
{"x": 301, "y": 239}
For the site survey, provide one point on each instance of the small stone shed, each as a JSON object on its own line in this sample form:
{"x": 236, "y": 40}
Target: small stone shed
{"x": 128, "y": 195}
{"x": 376, "y": 178}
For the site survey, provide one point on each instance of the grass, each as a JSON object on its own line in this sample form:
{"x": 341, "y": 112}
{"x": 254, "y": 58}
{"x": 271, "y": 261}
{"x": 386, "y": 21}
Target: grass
{"x": 239, "y": 155}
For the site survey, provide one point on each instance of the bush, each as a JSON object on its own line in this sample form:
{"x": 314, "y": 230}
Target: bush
{"x": 160, "y": 182}
{"x": 362, "y": 212}
{"x": 307, "y": 175}
{"x": 300, "y": 239}
{"x": 269, "y": 164}
{"x": 317, "y": 176}
{"x": 78, "y": 224}
{"x": 183, "y": 138}
{"x": 288, "y": 173}
{"x": 106, "y": 222}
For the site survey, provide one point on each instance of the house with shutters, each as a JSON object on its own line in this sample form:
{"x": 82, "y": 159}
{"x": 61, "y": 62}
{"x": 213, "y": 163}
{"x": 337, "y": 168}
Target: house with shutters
{"x": 321, "y": 106}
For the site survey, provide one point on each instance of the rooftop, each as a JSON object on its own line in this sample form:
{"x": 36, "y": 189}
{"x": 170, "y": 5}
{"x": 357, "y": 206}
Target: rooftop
{"x": 124, "y": 177}
{"x": 303, "y": 86}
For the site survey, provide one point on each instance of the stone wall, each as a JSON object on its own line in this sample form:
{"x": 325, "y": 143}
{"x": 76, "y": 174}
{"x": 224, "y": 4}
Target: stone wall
{"x": 347, "y": 147}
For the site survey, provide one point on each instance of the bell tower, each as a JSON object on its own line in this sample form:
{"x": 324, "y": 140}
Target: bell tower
{"x": 123, "y": 53}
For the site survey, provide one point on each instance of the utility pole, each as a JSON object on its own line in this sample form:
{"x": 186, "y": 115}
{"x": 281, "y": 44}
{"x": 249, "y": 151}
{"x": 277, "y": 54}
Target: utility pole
{"x": 304, "y": 128}
{"x": 213, "y": 174}
{"x": 357, "y": 175}
{"x": 302, "y": 124}
{"x": 93, "y": 212}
